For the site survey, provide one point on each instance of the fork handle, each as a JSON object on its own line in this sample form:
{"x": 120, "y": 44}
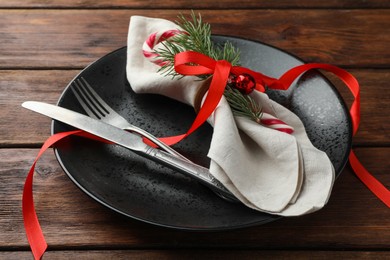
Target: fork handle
{"x": 191, "y": 169}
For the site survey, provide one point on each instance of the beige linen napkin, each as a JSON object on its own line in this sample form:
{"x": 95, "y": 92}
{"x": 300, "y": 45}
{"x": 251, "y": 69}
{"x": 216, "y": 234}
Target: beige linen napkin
{"x": 267, "y": 170}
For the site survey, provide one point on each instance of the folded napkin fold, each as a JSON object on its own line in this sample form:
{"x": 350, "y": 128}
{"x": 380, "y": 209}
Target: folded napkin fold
{"x": 266, "y": 169}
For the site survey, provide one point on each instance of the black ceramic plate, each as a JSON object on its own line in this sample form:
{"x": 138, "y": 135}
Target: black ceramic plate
{"x": 141, "y": 189}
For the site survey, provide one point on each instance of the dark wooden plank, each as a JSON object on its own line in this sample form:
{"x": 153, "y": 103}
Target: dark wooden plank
{"x": 180, "y": 4}
{"x": 23, "y": 127}
{"x": 197, "y": 254}
{"x": 353, "y": 218}
{"x": 49, "y": 38}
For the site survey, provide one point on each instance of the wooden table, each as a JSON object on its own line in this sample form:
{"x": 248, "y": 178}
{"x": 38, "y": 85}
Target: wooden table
{"x": 44, "y": 44}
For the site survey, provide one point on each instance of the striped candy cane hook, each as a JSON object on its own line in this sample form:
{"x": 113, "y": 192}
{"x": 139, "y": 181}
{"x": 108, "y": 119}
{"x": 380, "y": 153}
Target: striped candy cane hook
{"x": 152, "y": 41}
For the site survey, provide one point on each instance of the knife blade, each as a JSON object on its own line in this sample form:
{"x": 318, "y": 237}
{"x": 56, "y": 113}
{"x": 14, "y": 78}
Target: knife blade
{"x": 130, "y": 141}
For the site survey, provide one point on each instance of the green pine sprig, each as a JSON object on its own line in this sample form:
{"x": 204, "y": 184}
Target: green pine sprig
{"x": 243, "y": 105}
{"x": 196, "y": 37}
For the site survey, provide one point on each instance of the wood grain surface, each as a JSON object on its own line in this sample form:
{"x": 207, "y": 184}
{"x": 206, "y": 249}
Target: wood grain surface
{"x": 45, "y": 44}
{"x": 48, "y": 39}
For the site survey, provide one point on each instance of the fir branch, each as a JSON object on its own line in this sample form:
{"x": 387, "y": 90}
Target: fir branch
{"x": 243, "y": 105}
{"x": 196, "y": 36}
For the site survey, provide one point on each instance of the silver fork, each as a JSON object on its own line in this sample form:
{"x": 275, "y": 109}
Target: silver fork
{"x": 97, "y": 108}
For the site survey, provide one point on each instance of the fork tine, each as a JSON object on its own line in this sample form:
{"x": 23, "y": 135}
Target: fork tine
{"x": 91, "y": 99}
{"x": 85, "y": 103}
{"x": 93, "y": 95}
{"x": 87, "y": 98}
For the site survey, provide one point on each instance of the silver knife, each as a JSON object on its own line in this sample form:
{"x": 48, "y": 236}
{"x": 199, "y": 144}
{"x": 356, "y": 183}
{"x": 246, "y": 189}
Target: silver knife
{"x": 130, "y": 141}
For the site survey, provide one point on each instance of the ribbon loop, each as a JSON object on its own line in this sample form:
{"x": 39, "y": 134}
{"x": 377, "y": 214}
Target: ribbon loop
{"x": 185, "y": 63}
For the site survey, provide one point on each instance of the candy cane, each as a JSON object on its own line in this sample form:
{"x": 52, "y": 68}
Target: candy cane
{"x": 152, "y": 41}
{"x": 275, "y": 123}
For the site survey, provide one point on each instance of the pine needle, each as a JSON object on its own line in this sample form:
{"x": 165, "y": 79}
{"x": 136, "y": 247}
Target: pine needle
{"x": 243, "y": 105}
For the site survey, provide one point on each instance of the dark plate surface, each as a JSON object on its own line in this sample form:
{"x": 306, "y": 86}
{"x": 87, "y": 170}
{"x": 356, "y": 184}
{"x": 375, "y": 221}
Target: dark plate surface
{"x": 141, "y": 189}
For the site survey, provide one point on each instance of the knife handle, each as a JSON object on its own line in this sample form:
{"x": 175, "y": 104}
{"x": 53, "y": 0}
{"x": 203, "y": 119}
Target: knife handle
{"x": 190, "y": 169}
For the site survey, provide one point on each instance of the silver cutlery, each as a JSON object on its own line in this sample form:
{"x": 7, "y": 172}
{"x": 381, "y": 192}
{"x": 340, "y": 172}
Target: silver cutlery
{"x": 97, "y": 108}
{"x": 131, "y": 141}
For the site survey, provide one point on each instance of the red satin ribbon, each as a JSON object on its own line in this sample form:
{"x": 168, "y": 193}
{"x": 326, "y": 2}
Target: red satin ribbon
{"x": 191, "y": 63}
{"x": 184, "y": 64}
{"x": 31, "y": 224}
